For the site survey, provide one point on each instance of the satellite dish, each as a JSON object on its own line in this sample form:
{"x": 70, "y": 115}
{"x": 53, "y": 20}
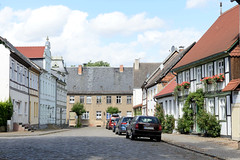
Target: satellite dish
{"x": 173, "y": 48}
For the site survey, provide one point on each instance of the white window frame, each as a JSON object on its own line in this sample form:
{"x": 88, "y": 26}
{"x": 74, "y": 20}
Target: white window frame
{"x": 81, "y": 99}
{"x": 210, "y": 70}
{"x": 85, "y": 115}
{"x": 25, "y": 108}
{"x": 187, "y": 77}
{"x": 199, "y": 74}
{"x": 109, "y": 99}
{"x": 220, "y": 66}
{"x": 222, "y": 108}
{"x": 129, "y": 113}
{"x": 18, "y": 104}
{"x": 180, "y": 78}
{"x": 98, "y": 114}
{"x": 211, "y": 106}
{"x": 129, "y": 99}
{"x": 71, "y": 99}
{"x": 118, "y": 99}
{"x": 89, "y": 100}
{"x": 99, "y": 99}
{"x": 13, "y": 70}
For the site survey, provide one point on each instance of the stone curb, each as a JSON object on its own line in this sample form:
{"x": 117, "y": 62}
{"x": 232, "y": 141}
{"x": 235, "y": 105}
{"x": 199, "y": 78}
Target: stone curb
{"x": 41, "y": 133}
{"x": 192, "y": 149}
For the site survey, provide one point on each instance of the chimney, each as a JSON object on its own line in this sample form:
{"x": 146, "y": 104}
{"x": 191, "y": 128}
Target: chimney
{"x": 136, "y": 65}
{"x": 79, "y": 69}
{"x": 220, "y": 8}
{"x": 121, "y": 68}
{"x": 181, "y": 48}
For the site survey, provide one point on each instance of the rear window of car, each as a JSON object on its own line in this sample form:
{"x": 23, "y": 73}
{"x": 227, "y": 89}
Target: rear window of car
{"x": 148, "y": 120}
{"x": 127, "y": 119}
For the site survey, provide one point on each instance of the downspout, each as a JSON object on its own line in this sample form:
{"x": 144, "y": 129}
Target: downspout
{"x": 56, "y": 101}
{"x": 146, "y": 102}
{"x": 39, "y": 97}
{"x": 29, "y": 114}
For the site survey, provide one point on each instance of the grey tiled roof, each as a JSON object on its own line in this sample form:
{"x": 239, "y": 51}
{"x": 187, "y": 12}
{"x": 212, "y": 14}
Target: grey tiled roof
{"x": 144, "y": 71}
{"x": 100, "y": 80}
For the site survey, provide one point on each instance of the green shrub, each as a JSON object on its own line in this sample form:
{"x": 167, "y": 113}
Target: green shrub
{"x": 169, "y": 124}
{"x": 160, "y": 114}
{"x": 209, "y": 124}
{"x": 6, "y": 111}
{"x": 186, "y": 122}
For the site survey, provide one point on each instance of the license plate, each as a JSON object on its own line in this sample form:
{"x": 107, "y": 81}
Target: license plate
{"x": 148, "y": 128}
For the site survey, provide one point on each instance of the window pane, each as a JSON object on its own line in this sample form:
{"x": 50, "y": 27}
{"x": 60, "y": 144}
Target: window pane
{"x": 129, "y": 99}
{"x": 82, "y": 99}
{"x": 99, "y": 99}
{"x": 109, "y": 99}
{"x": 89, "y": 99}
{"x": 119, "y": 99}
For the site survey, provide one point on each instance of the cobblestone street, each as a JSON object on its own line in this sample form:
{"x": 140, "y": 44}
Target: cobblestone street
{"x": 89, "y": 143}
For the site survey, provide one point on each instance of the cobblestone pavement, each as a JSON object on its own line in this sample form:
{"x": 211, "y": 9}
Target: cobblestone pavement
{"x": 89, "y": 143}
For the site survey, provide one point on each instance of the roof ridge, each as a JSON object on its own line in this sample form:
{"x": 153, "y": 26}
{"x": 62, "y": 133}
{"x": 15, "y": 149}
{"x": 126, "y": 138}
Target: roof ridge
{"x": 227, "y": 11}
{"x": 28, "y": 46}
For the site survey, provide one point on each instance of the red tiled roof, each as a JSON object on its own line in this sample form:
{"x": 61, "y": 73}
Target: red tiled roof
{"x": 232, "y": 85}
{"x": 32, "y": 52}
{"x": 235, "y": 52}
{"x": 137, "y": 106}
{"x": 218, "y": 38}
{"x": 168, "y": 89}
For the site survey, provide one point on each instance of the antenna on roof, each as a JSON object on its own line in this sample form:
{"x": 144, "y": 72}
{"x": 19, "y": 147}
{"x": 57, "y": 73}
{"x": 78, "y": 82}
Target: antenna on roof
{"x": 220, "y": 8}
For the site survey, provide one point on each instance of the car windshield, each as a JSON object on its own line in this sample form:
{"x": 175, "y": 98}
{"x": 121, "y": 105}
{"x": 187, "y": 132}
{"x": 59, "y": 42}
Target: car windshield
{"x": 127, "y": 119}
{"x": 148, "y": 119}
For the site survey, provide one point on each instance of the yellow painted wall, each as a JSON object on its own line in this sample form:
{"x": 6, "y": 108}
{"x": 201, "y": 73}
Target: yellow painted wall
{"x": 236, "y": 121}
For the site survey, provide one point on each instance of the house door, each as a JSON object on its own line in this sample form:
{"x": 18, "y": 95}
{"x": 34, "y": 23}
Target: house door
{"x": 195, "y": 111}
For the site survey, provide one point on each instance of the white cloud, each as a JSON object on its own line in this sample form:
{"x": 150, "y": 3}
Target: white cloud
{"x": 196, "y": 3}
{"x": 79, "y": 39}
{"x": 119, "y": 23}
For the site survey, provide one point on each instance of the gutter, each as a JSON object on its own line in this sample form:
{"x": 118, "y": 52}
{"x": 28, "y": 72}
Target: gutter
{"x": 202, "y": 61}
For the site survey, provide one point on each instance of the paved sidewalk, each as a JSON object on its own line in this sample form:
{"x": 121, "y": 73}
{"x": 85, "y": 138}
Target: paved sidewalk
{"x": 219, "y": 148}
{"x": 29, "y": 133}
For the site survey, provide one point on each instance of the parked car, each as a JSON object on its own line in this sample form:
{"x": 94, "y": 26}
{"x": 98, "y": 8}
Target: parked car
{"x": 122, "y": 125}
{"x": 107, "y": 124}
{"x": 144, "y": 126}
{"x": 115, "y": 123}
{"x": 112, "y": 119}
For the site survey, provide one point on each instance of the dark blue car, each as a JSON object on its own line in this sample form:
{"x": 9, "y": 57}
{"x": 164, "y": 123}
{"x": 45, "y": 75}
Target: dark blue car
{"x": 122, "y": 125}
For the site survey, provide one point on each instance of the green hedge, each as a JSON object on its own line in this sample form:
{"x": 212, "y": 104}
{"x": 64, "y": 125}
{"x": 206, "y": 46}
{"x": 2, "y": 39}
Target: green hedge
{"x": 6, "y": 111}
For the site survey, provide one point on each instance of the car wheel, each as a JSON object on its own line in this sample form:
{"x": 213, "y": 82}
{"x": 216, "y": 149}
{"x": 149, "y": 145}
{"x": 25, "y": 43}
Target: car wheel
{"x": 158, "y": 139}
{"x": 127, "y": 136}
{"x": 132, "y": 136}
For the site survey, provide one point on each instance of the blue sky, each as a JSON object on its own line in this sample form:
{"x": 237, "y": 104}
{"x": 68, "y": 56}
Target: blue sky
{"x": 117, "y": 31}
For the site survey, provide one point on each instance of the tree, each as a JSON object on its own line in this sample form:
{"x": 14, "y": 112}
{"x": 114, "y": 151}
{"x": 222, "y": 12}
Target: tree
{"x": 112, "y": 110}
{"x": 78, "y": 108}
{"x": 97, "y": 64}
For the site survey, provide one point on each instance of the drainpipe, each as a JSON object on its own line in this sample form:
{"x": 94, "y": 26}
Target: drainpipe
{"x": 29, "y": 114}
{"x": 146, "y": 102}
